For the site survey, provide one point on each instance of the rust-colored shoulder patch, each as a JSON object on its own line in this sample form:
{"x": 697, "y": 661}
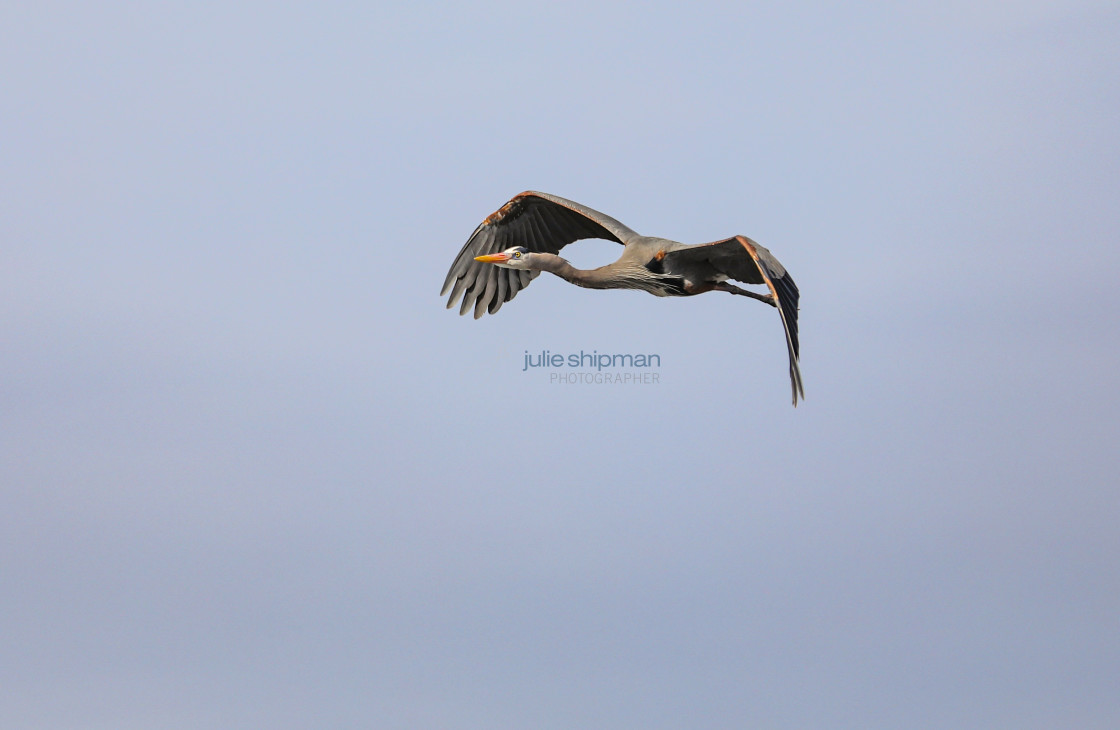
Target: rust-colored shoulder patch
{"x": 505, "y": 210}
{"x": 660, "y": 255}
{"x": 749, "y": 245}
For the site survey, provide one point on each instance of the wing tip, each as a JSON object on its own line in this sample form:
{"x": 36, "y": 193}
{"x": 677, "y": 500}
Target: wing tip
{"x": 795, "y": 380}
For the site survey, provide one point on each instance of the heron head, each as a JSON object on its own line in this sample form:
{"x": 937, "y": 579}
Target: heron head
{"x": 517, "y": 257}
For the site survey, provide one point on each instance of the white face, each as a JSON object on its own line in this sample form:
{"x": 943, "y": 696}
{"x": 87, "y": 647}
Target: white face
{"x": 518, "y": 258}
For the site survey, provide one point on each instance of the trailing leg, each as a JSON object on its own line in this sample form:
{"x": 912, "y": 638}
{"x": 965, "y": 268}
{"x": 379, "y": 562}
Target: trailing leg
{"x": 732, "y": 289}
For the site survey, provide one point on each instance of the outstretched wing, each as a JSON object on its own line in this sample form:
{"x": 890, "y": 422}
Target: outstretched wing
{"x": 538, "y": 221}
{"x": 742, "y": 259}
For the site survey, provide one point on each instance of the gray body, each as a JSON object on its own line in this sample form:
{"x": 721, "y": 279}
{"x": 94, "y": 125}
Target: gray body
{"x": 525, "y": 236}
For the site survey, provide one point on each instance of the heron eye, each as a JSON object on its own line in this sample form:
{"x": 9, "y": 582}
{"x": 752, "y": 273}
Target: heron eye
{"x": 517, "y": 254}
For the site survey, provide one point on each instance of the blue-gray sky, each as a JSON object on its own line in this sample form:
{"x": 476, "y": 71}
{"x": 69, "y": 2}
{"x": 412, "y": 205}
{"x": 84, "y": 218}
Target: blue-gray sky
{"x": 253, "y": 474}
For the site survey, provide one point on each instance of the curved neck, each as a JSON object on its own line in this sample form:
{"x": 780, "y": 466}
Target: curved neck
{"x": 599, "y": 278}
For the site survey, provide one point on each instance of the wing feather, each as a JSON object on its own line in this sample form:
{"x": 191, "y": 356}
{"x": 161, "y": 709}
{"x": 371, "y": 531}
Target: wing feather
{"x": 503, "y": 291}
{"x": 469, "y": 296}
{"x": 487, "y": 294}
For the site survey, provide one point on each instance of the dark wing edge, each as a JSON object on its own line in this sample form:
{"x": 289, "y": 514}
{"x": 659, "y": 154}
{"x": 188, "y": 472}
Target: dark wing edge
{"x": 537, "y": 221}
{"x": 785, "y": 292}
{"x": 619, "y": 232}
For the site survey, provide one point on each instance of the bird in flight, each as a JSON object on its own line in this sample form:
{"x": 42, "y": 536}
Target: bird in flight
{"x": 524, "y": 237}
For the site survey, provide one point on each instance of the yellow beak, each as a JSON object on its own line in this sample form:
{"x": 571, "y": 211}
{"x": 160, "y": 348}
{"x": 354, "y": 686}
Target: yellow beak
{"x": 493, "y": 258}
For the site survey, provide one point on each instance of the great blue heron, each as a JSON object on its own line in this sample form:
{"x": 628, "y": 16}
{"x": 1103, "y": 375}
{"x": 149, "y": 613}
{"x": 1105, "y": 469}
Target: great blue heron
{"x": 523, "y": 237}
